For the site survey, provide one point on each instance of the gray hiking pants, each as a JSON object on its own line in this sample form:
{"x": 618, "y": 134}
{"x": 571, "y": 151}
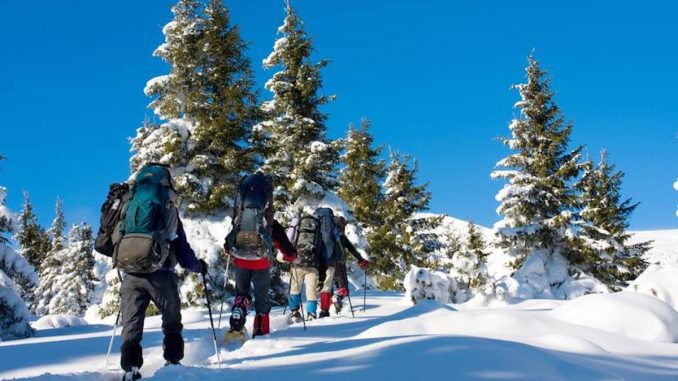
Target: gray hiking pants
{"x": 261, "y": 279}
{"x": 137, "y": 291}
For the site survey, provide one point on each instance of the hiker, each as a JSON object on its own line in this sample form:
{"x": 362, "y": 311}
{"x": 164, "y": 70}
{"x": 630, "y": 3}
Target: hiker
{"x": 150, "y": 241}
{"x": 305, "y": 233}
{"x": 340, "y": 273}
{"x": 330, "y": 254}
{"x": 251, "y": 243}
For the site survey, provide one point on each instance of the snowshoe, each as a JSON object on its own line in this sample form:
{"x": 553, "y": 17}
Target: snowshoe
{"x": 310, "y": 316}
{"x": 324, "y": 314}
{"x": 132, "y": 375}
{"x": 235, "y": 339}
{"x": 170, "y": 363}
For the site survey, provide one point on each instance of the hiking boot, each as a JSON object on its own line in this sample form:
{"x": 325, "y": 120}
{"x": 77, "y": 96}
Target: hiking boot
{"x": 310, "y": 316}
{"x": 296, "y": 316}
{"x": 324, "y": 314}
{"x": 132, "y": 375}
{"x": 238, "y": 319}
{"x": 338, "y": 302}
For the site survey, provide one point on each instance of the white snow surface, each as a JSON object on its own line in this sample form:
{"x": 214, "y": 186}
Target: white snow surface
{"x": 58, "y": 321}
{"x": 533, "y": 340}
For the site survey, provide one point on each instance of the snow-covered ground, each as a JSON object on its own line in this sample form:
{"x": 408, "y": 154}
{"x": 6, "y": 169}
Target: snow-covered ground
{"x": 627, "y": 337}
{"x": 631, "y": 335}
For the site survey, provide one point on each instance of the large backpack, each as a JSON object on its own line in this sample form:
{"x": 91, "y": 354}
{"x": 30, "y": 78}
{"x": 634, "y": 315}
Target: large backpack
{"x": 111, "y": 211}
{"x": 250, "y": 238}
{"x": 330, "y": 252}
{"x": 308, "y": 241}
{"x": 148, "y": 224}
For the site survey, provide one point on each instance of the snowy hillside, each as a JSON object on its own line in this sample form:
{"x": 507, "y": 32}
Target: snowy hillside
{"x": 535, "y": 340}
{"x": 665, "y": 247}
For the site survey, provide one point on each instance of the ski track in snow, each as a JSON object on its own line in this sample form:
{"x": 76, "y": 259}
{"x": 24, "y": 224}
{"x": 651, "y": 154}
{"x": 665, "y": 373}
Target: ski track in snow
{"x": 391, "y": 340}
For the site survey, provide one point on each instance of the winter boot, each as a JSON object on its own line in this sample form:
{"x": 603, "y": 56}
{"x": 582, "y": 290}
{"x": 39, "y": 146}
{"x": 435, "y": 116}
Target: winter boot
{"x": 296, "y": 316}
{"x": 338, "y": 302}
{"x": 261, "y": 325}
{"x": 325, "y": 302}
{"x": 132, "y": 375}
{"x": 239, "y": 313}
{"x": 310, "y": 316}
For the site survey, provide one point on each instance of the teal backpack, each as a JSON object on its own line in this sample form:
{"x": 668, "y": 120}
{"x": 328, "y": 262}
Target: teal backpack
{"x": 149, "y": 222}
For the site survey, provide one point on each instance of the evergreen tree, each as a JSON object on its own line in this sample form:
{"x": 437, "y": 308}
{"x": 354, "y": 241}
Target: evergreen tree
{"x": 14, "y": 314}
{"x": 538, "y": 199}
{"x": 604, "y": 250}
{"x": 32, "y": 239}
{"x": 476, "y": 242}
{"x": 50, "y": 269}
{"x": 361, "y": 177}
{"x": 469, "y": 266}
{"x": 76, "y": 279}
{"x": 298, "y": 155}
{"x": 208, "y": 103}
{"x": 405, "y": 238}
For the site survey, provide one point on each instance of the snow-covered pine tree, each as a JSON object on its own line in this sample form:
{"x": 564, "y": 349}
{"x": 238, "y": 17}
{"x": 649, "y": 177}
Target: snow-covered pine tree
{"x": 50, "y": 269}
{"x": 360, "y": 179}
{"x": 476, "y": 242}
{"x": 604, "y": 251}
{"x": 14, "y": 314}
{"x": 76, "y": 279}
{"x": 406, "y": 238}
{"x": 33, "y": 243}
{"x": 469, "y": 266}
{"x": 209, "y": 106}
{"x": 293, "y": 137}
{"x": 538, "y": 200}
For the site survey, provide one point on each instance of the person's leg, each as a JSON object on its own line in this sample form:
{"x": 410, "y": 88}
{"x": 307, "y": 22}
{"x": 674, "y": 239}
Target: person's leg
{"x": 311, "y": 280}
{"x": 134, "y": 301}
{"x": 341, "y": 279}
{"x": 241, "y": 304}
{"x": 165, "y": 295}
{"x": 295, "y": 289}
{"x": 326, "y": 292}
{"x": 261, "y": 280}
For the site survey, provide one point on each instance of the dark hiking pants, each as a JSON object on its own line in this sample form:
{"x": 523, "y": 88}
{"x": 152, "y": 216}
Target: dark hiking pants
{"x": 262, "y": 283}
{"x": 341, "y": 276}
{"x": 137, "y": 291}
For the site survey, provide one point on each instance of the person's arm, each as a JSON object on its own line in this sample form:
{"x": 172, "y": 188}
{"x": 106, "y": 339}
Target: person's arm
{"x": 183, "y": 252}
{"x": 282, "y": 243}
{"x": 346, "y": 243}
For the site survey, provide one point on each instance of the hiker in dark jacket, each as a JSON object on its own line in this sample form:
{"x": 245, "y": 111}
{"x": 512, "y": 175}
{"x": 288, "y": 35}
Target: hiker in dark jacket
{"x": 340, "y": 273}
{"x": 138, "y": 289}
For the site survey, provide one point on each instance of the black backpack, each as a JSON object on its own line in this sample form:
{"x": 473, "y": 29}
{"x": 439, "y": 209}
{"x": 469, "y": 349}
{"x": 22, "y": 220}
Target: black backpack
{"x": 111, "y": 211}
{"x": 250, "y": 238}
{"x": 331, "y": 251}
{"x": 308, "y": 241}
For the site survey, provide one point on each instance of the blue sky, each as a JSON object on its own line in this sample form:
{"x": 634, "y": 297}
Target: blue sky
{"x": 433, "y": 76}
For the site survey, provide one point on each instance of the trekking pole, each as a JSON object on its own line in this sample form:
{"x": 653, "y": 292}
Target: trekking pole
{"x": 115, "y": 327}
{"x": 209, "y": 309}
{"x": 365, "y": 291}
{"x": 350, "y": 304}
{"x": 301, "y": 302}
{"x": 289, "y": 291}
{"x": 223, "y": 296}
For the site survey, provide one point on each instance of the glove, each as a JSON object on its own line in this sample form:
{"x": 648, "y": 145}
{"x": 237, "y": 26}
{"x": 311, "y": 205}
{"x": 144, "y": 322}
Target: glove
{"x": 363, "y": 263}
{"x": 203, "y": 267}
{"x": 226, "y": 252}
{"x": 284, "y": 258}
{"x": 280, "y": 258}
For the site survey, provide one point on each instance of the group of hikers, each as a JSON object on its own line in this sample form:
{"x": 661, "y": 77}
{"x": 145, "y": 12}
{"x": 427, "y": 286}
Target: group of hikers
{"x": 142, "y": 232}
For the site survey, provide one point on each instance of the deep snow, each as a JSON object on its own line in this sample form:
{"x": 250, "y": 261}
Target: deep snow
{"x": 393, "y": 340}
{"x": 626, "y": 336}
